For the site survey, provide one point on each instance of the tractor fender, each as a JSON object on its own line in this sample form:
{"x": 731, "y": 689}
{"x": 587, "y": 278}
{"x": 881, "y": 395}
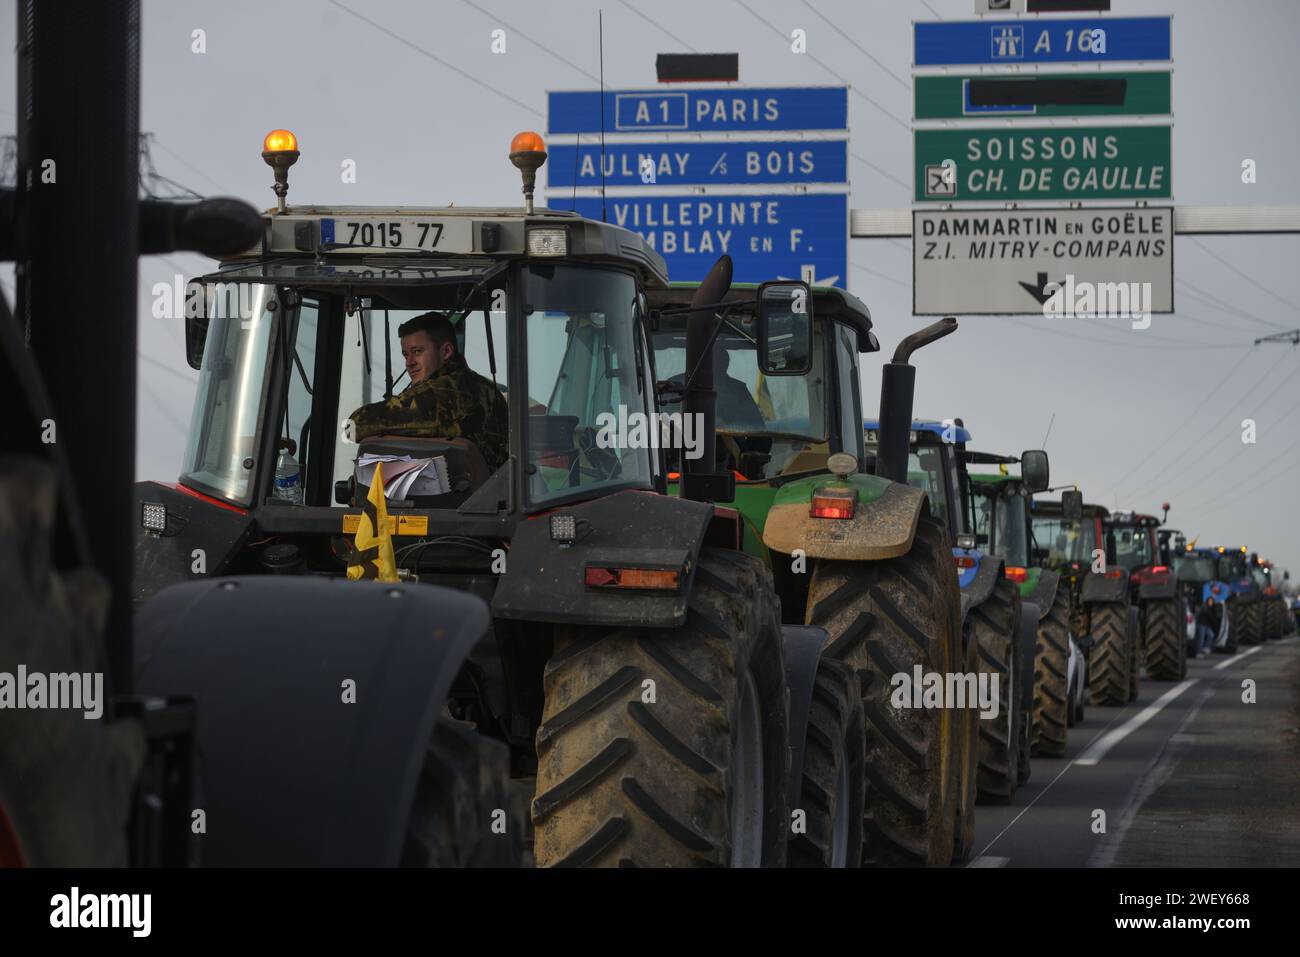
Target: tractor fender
{"x": 883, "y": 523}
{"x": 1044, "y": 592}
{"x": 194, "y": 522}
{"x": 295, "y": 773}
{"x": 987, "y": 573}
{"x": 1104, "y": 588}
{"x": 803, "y": 648}
{"x": 1158, "y": 590}
{"x": 546, "y": 580}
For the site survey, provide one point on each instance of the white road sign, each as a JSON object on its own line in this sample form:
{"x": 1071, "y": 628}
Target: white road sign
{"x": 1040, "y": 261}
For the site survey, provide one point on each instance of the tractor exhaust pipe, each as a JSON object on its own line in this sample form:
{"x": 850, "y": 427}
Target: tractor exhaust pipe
{"x": 701, "y": 398}
{"x": 897, "y": 386}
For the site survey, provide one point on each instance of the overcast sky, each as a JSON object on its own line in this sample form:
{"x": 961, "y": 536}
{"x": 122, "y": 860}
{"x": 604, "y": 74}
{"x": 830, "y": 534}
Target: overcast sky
{"x": 407, "y": 97}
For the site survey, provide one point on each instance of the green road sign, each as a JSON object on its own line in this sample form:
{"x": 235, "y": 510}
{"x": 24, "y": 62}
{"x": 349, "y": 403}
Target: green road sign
{"x": 1069, "y": 163}
{"x": 982, "y": 97}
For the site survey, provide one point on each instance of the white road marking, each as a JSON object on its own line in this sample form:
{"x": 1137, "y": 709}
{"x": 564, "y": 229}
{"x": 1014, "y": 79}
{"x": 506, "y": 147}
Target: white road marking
{"x": 1235, "y": 658}
{"x": 1098, "y": 749}
{"x": 989, "y": 862}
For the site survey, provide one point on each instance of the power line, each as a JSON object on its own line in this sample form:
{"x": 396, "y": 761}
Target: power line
{"x": 562, "y": 59}
{"x": 1187, "y": 420}
{"x": 896, "y": 282}
{"x": 191, "y": 167}
{"x": 777, "y": 30}
{"x": 1290, "y": 304}
{"x": 861, "y": 49}
{"x": 166, "y": 368}
{"x": 890, "y": 176}
{"x": 1039, "y": 326}
{"x": 661, "y": 29}
{"x": 931, "y": 9}
{"x": 437, "y": 59}
{"x": 1211, "y": 299}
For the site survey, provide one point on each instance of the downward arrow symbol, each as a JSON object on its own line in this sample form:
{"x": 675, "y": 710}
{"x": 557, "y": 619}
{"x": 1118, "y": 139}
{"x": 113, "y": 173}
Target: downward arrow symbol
{"x": 1039, "y": 292}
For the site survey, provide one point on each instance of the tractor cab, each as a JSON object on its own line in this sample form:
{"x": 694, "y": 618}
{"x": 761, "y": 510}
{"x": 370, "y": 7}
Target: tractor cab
{"x": 1001, "y": 512}
{"x": 293, "y": 336}
{"x": 1131, "y": 544}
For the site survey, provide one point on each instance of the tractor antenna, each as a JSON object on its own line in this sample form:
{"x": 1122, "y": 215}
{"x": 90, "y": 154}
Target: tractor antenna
{"x": 600, "y": 26}
{"x": 1049, "y": 431}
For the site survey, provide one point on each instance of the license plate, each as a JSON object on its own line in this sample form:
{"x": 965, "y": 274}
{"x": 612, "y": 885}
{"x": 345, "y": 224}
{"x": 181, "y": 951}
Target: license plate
{"x": 399, "y": 235}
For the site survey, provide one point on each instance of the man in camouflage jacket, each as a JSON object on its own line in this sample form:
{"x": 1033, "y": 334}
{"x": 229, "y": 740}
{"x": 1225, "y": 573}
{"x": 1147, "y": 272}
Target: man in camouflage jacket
{"x": 446, "y": 398}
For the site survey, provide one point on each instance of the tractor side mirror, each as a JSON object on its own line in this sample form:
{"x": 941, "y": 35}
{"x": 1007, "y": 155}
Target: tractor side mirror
{"x": 1072, "y": 505}
{"x": 784, "y": 328}
{"x": 1111, "y": 549}
{"x": 1033, "y": 470}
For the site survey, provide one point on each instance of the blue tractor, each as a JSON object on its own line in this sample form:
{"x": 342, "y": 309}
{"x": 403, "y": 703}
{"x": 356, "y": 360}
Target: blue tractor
{"x": 1206, "y": 593}
{"x": 1245, "y": 601}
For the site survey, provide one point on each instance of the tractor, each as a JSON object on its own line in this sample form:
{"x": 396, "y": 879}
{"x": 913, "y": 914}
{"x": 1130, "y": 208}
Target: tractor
{"x": 1003, "y": 509}
{"x": 998, "y": 628}
{"x": 652, "y": 706}
{"x": 1273, "y": 611}
{"x": 1153, "y": 588}
{"x": 855, "y": 552}
{"x": 1205, "y": 596}
{"x": 1106, "y": 624}
{"x": 1245, "y": 600}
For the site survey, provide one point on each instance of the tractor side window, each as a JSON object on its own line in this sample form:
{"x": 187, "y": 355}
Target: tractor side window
{"x": 849, "y": 387}
{"x": 588, "y": 422}
{"x": 925, "y": 471}
{"x": 223, "y": 433}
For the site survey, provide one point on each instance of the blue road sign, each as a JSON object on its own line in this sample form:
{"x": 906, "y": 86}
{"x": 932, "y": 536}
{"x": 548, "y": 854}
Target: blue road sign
{"x": 716, "y": 110}
{"x": 698, "y": 164}
{"x": 1001, "y": 42}
{"x": 802, "y": 236}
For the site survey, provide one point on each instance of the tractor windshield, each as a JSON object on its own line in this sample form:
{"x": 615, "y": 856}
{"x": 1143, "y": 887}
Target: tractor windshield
{"x": 1134, "y": 547}
{"x": 1064, "y": 542}
{"x": 1194, "y": 568}
{"x": 925, "y": 470}
{"x": 1009, "y": 531}
{"x": 1232, "y": 565}
{"x": 764, "y": 422}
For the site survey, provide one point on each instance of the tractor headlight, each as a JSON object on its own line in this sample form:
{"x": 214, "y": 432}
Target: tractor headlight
{"x": 548, "y": 241}
{"x": 153, "y": 517}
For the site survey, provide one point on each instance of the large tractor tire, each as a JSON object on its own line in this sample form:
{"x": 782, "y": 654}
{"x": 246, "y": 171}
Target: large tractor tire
{"x": 65, "y": 780}
{"x": 1165, "y": 635}
{"x": 1236, "y": 613}
{"x": 1272, "y": 619}
{"x": 1051, "y": 679}
{"x": 883, "y": 618}
{"x": 1110, "y": 660}
{"x": 966, "y": 767}
{"x": 1138, "y": 649}
{"x": 669, "y": 747}
{"x": 463, "y": 815}
{"x": 1252, "y": 622}
{"x": 832, "y": 788}
{"x": 994, "y": 626}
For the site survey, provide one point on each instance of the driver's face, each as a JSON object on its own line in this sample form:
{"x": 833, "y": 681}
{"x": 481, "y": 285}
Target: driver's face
{"x": 423, "y": 358}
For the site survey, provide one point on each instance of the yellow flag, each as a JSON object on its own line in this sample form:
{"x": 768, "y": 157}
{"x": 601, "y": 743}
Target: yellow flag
{"x": 373, "y": 545}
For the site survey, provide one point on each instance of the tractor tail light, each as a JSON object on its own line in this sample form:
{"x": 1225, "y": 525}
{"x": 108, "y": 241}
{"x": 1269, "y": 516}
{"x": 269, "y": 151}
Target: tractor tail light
{"x": 650, "y": 579}
{"x": 833, "y": 503}
{"x": 965, "y": 561}
{"x": 1017, "y": 574}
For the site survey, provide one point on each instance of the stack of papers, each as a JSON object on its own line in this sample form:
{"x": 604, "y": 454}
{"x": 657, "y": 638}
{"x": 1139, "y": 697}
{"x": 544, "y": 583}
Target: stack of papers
{"x": 405, "y": 476}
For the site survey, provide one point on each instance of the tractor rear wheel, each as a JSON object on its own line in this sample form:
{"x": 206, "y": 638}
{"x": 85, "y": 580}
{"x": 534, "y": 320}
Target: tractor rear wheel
{"x": 1252, "y": 625}
{"x": 884, "y": 618}
{"x": 1236, "y": 613}
{"x": 994, "y": 626}
{"x": 1138, "y": 651}
{"x": 1272, "y": 619}
{"x": 669, "y": 747}
{"x": 966, "y": 767}
{"x": 1166, "y": 642}
{"x": 832, "y": 789}
{"x": 1109, "y": 664}
{"x": 463, "y": 814}
{"x": 1051, "y": 678}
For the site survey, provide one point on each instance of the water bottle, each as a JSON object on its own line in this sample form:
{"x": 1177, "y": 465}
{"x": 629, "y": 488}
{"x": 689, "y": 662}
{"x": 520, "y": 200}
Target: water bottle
{"x": 288, "y": 478}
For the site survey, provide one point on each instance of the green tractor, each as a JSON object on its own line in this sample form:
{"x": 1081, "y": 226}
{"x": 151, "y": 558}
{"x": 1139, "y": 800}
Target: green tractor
{"x": 853, "y": 550}
{"x": 1003, "y": 506}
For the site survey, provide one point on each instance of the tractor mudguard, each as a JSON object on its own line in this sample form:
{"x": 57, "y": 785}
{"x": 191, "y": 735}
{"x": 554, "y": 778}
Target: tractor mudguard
{"x": 977, "y": 592}
{"x": 192, "y": 523}
{"x": 1044, "y": 592}
{"x": 295, "y": 773}
{"x": 1103, "y": 587}
{"x": 546, "y": 580}
{"x": 883, "y": 523}
{"x": 1156, "y": 591}
{"x": 803, "y": 648}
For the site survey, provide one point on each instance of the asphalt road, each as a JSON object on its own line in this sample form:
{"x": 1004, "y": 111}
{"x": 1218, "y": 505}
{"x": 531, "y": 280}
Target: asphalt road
{"x": 1188, "y": 775}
